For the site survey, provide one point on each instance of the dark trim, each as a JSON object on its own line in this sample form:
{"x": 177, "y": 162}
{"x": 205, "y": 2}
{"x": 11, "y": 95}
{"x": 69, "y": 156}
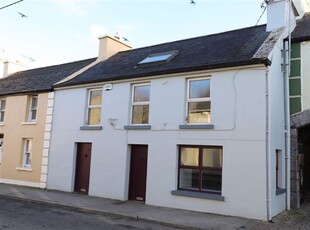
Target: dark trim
{"x": 300, "y": 39}
{"x": 280, "y": 191}
{"x": 91, "y": 127}
{"x": 208, "y": 196}
{"x": 27, "y": 92}
{"x": 137, "y": 127}
{"x": 206, "y": 126}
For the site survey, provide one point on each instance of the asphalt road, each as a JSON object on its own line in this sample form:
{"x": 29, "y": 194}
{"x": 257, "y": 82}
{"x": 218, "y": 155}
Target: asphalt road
{"x": 16, "y": 214}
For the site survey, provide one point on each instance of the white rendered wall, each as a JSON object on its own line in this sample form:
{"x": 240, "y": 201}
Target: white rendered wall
{"x": 238, "y": 114}
{"x": 305, "y": 73}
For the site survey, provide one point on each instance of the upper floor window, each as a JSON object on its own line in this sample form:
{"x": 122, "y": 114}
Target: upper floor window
{"x": 2, "y": 109}
{"x": 27, "y": 154}
{"x": 140, "y": 104}
{"x": 198, "y": 101}
{"x": 33, "y": 108}
{"x": 94, "y": 107}
{"x": 200, "y": 168}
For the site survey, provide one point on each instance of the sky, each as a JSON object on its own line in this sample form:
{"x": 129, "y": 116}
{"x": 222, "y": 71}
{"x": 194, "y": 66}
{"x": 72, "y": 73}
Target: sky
{"x": 60, "y": 31}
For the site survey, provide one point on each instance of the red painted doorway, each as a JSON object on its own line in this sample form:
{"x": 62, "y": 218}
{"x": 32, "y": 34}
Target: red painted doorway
{"x": 138, "y": 172}
{"x": 82, "y": 170}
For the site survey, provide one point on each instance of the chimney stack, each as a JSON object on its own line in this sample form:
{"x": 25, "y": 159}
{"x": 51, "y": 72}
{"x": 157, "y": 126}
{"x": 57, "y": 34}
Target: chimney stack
{"x": 280, "y": 14}
{"x": 108, "y": 46}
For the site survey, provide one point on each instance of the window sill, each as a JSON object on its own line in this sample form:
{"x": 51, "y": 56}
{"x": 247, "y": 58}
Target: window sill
{"x": 24, "y": 169}
{"x": 91, "y": 128}
{"x": 201, "y": 195}
{"x": 206, "y": 126}
{"x": 137, "y": 127}
{"x": 29, "y": 123}
{"x": 280, "y": 191}
{"x": 1, "y": 124}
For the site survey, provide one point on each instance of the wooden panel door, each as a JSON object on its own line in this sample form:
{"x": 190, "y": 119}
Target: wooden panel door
{"x": 138, "y": 172}
{"x": 82, "y": 170}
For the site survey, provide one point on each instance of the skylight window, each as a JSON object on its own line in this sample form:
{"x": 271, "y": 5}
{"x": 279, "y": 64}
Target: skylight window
{"x": 159, "y": 57}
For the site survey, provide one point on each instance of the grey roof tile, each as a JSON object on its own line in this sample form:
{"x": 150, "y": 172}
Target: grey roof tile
{"x": 40, "y": 79}
{"x": 302, "y": 30}
{"x": 232, "y": 48}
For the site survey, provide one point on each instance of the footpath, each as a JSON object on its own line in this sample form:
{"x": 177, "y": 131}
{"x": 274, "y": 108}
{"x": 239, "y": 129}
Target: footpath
{"x": 164, "y": 216}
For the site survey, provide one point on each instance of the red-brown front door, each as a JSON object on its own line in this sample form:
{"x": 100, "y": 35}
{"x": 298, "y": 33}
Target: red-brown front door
{"x": 82, "y": 170}
{"x": 138, "y": 170}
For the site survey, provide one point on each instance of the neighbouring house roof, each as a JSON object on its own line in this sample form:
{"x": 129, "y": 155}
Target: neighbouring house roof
{"x": 302, "y": 30}
{"x": 41, "y": 79}
{"x": 228, "y": 49}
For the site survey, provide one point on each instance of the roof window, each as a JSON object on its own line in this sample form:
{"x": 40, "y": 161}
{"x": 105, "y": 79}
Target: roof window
{"x": 159, "y": 57}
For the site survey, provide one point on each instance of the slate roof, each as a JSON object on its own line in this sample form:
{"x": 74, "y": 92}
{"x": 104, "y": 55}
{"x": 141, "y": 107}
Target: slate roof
{"x": 41, "y": 79}
{"x": 228, "y": 49}
{"x": 302, "y": 30}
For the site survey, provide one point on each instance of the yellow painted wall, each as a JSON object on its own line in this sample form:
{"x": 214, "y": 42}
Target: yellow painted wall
{"x": 15, "y": 129}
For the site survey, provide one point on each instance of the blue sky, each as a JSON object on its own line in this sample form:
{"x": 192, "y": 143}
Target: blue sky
{"x": 59, "y": 31}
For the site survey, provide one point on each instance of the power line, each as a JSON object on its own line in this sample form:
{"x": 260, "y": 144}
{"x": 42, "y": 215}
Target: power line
{"x": 11, "y": 4}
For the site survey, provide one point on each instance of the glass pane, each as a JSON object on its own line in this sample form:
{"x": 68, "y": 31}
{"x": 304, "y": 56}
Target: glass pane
{"x": 199, "y": 88}
{"x": 140, "y": 114}
{"x": 189, "y": 179}
{"x": 34, "y": 103}
{"x": 199, "y": 112}
{"x": 2, "y": 105}
{"x": 95, "y": 97}
{"x": 212, "y": 158}
{"x": 33, "y": 114}
{"x": 189, "y": 156}
{"x": 27, "y": 158}
{"x": 141, "y": 93}
{"x": 94, "y": 116}
{"x": 2, "y": 116}
{"x": 211, "y": 180}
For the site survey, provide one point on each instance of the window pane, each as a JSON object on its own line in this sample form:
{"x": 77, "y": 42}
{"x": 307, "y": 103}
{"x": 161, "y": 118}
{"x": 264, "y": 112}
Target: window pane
{"x": 94, "y": 116}
{"x": 141, "y": 93}
{"x": 27, "y": 158}
{"x": 2, "y": 104}
{"x": 199, "y": 112}
{"x": 211, "y": 180}
{"x": 33, "y": 114}
{"x": 140, "y": 114}
{"x": 189, "y": 178}
{"x": 189, "y": 156}
{"x": 95, "y": 97}
{"x": 34, "y": 103}
{"x": 199, "y": 88}
{"x": 212, "y": 158}
{"x": 2, "y": 116}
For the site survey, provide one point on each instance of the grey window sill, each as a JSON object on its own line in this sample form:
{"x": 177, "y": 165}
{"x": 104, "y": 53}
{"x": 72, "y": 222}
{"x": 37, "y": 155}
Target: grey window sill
{"x": 280, "y": 191}
{"x": 137, "y": 127}
{"x": 206, "y": 126}
{"x": 91, "y": 128}
{"x": 201, "y": 195}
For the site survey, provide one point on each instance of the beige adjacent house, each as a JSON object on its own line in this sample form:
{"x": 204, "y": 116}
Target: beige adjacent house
{"x": 26, "y": 109}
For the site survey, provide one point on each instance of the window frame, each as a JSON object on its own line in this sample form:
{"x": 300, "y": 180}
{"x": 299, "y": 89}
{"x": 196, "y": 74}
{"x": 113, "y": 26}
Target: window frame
{"x": 133, "y": 103}
{"x": 189, "y": 100}
{"x": 200, "y": 168}
{"x": 2, "y": 110}
{"x": 89, "y": 106}
{"x": 31, "y": 110}
{"x": 27, "y": 150}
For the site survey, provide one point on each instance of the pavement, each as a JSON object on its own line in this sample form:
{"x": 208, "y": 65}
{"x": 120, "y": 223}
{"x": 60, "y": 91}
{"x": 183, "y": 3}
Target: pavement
{"x": 159, "y": 215}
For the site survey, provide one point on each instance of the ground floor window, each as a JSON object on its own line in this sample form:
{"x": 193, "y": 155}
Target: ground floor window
{"x": 200, "y": 168}
{"x": 27, "y": 153}
{"x": 1, "y": 147}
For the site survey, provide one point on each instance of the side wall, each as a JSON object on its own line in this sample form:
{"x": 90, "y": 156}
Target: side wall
{"x": 238, "y": 114}
{"x": 15, "y": 129}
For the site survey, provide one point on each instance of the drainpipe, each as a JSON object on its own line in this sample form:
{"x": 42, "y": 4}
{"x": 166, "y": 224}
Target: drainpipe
{"x": 287, "y": 116}
{"x": 268, "y": 169}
